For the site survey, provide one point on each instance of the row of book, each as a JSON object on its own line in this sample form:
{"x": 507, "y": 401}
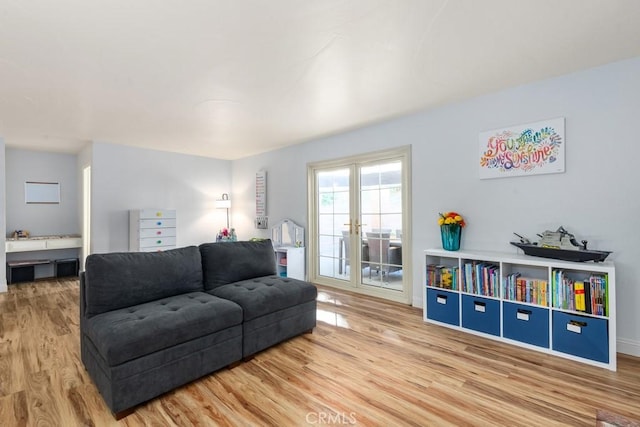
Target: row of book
{"x": 589, "y": 296}
{"x": 481, "y": 279}
{"x": 566, "y": 292}
{"x": 441, "y": 276}
{"x": 523, "y": 289}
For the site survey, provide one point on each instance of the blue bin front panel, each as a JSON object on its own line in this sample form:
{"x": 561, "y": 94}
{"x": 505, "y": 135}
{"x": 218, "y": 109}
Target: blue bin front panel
{"x": 481, "y": 314}
{"x": 526, "y": 324}
{"x": 581, "y": 336}
{"x": 443, "y": 306}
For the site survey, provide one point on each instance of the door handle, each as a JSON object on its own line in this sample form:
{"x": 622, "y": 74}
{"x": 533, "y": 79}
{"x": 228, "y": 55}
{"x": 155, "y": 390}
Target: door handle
{"x": 349, "y": 224}
{"x": 359, "y": 226}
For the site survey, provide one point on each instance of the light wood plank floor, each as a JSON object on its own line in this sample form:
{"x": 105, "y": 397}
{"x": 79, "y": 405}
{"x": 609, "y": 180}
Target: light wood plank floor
{"x": 367, "y": 363}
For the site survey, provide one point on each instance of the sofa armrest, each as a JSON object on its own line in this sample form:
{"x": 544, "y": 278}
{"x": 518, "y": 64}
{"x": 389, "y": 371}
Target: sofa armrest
{"x": 82, "y": 303}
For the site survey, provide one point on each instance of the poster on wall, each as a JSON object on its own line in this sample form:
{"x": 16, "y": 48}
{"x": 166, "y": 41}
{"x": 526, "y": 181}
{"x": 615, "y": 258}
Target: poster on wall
{"x": 261, "y": 194}
{"x": 528, "y": 149}
{"x": 41, "y": 192}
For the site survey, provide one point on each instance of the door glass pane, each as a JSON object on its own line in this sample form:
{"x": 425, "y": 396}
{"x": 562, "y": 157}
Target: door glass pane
{"x": 381, "y": 219}
{"x": 333, "y": 214}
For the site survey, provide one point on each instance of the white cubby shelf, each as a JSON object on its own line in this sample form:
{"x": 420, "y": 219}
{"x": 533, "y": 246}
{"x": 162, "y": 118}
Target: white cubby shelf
{"x": 567, "y": 309}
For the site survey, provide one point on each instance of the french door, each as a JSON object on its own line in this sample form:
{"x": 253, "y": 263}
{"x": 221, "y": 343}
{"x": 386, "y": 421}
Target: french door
{"x": 359, "y": 215}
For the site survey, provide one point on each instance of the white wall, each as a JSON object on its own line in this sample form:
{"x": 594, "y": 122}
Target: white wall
{"x": 596, "y": 198}
{"x": 286, "y": 189}
{"x": 125, "y": 178}
{"x": 3, "y": 272}
{"x": 41, "y": 219}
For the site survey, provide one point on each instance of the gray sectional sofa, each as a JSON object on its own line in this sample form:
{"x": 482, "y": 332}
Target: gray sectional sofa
{"x": 150, "y": 322}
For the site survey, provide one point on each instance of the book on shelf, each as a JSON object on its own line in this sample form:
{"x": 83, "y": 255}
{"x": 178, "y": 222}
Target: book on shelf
{"x": 598, "y": 286}
{"x": 580, "y": 300}
{"x": 442, "y": 276}
{"x": 586, "y": 296}
{"x": 481, "y": 278}
{"x": 524, "y": 289}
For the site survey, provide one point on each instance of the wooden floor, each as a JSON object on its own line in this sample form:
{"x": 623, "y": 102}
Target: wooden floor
{"x": 367, "y": 363}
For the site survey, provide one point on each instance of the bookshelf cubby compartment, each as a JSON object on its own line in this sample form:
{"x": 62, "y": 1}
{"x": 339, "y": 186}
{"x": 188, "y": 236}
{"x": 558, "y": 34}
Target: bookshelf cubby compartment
{"x": 526, "y": 323}
{"x": 562, "y": 308}
{"x": 580, "y": 336}
{"x": 444, "y": 306}
{"x": 481, "y": 314}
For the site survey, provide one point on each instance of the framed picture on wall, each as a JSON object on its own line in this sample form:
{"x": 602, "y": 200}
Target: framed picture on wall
{"x": 42, "y": 192}
{"x": 528, "y": 149}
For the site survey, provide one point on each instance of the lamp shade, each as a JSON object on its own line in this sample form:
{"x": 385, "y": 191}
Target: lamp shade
{"x": 223, "y": 203}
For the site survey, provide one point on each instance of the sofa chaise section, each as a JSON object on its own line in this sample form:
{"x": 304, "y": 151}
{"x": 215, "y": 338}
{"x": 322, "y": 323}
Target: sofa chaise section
{"x": 274, "y": 308}
{"x": 147, "y": 326}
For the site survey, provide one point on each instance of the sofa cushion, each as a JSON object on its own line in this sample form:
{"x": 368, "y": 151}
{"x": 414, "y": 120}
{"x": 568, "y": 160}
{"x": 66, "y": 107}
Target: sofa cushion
{"x": 264, "y": 295}
{"x": 229, "y": 262}
{"x": 132, "y": 332}
{"x": 118, "y": 280}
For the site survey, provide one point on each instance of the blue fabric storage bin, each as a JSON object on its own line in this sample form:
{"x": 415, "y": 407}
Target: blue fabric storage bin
{"x": 481, "y": 314}
{"x": 443, "y": 306}
{"x": 525, "y": 323}
{"x": 581, "y": 336}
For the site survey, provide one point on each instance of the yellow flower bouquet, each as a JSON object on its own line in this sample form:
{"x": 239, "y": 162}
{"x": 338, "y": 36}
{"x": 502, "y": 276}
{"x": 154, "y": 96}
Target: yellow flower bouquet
{"x": 449, "y": 218}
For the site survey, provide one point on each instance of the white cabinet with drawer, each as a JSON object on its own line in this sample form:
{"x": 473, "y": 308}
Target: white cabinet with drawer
{"x": 152, "y": 230}
{"x": 64, "y": 243}
{"x": 25, "y": 245}
{"x": 43, "y": 243}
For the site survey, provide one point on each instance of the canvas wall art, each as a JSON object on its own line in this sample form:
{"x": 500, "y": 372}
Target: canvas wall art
{"x": 528, "y": 149}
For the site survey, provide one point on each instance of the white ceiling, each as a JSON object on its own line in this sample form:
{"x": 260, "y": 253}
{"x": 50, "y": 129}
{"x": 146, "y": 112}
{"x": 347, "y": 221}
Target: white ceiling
{"x": 228, "y": 79}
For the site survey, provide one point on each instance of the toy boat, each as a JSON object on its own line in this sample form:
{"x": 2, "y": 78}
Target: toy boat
{"x": 561, "y": 245}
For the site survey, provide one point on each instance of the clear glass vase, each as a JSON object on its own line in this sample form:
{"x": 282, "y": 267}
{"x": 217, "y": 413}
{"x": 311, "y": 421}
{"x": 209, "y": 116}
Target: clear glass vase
{"x": 450, "y": 234}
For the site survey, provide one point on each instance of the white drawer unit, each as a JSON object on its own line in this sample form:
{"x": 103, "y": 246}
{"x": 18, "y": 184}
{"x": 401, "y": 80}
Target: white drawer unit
{"x": 152, "y": 230}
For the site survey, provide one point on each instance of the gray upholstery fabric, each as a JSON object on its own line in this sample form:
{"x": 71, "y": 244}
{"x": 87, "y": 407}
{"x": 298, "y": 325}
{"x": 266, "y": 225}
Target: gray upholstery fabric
{"x": 147, "y": 326}
{"x": 120, "y": 280}
{"x": 139, "y": 380}
{"x": 263, "y": 295}
{"x": 128, "y": 333}
{"x": 274, "y": 309}
{"x": 265, "y": 331}
{"x": 224, "y": 263}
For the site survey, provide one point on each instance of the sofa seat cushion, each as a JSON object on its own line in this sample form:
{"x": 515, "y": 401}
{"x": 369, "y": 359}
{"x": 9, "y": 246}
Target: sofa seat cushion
{"x": 129, "y": 333}
{"x": 267, "y": 294}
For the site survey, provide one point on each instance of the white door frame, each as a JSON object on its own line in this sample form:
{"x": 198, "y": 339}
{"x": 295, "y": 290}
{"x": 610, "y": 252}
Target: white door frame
{"x": 355, "y": 284}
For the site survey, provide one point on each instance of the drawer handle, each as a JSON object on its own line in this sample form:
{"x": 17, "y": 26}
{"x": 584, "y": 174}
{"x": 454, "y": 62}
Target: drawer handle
{"x": 480, "y": 306}
{"x": 159, "y": 241}
{"x": 159, "y": 223}
{"x": 576, "y": 326}
{"x": 441, "y": 299}
{"x": 524, "y": 311}
{"x": 158, "y": 232}
{"x": 523, "y": 314}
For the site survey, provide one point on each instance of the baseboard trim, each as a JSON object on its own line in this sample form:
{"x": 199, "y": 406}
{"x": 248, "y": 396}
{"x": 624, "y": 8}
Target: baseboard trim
{"x": 629, "y": 347}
